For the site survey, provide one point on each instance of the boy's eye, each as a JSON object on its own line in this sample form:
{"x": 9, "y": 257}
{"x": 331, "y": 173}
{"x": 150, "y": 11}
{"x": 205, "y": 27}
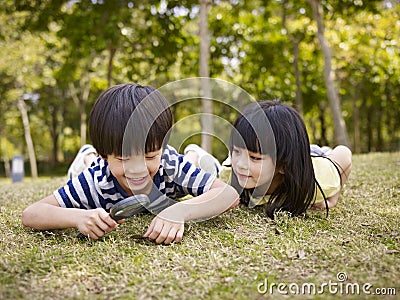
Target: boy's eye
{"x": 122, "y": 158}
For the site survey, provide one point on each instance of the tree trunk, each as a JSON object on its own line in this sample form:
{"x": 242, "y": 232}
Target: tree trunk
{"x": 52, "y": 124}
{"x": 54, "y": 138}
{"x": 207, "y": 105}
{"x": 370, "y": 129}
{"x": 333, "y": 96}
{"x": 379, "y": 146}
{"x": 322, "y": 112}
{"x": 7, "y": 167}
{"x": 297, "y": 73}
{"x": 110, "y": 65}
{"x": 6, "y": 160}
{"x": 296, "y": 60}
{"x": 356, "y": 124}
{"x": 81, "y": 103}
{"x": 28, "y": 137}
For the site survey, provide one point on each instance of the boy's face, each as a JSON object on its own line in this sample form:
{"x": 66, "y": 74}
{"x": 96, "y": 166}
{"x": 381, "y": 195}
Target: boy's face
{"x": 135, "y": 173}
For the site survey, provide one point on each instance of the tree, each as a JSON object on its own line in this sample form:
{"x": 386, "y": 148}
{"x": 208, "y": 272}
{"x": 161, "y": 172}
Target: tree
{"x": 333, "y": 96}
{"x": 206, "y": 117}
{"x": 28, "y": 138}
{"x": 295, "y": 38}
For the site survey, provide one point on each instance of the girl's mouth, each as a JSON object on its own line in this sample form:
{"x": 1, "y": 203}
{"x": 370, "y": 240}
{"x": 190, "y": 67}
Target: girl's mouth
{"x": 243, "y": 176}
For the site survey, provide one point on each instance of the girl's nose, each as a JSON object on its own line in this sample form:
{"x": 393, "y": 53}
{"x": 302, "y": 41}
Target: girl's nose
{"x": 243, "y": 162}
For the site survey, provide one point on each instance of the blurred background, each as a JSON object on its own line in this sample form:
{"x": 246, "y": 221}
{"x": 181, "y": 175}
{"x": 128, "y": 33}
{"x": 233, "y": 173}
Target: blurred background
{"x": 337, "y": 62}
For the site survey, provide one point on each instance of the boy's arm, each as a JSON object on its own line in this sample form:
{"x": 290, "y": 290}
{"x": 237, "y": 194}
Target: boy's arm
{"x": 47, "y": 214}
{"x": 168, "y": 225}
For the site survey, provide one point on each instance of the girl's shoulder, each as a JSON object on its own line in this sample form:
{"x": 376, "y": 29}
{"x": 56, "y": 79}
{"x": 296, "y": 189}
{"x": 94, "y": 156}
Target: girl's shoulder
{"x": 327, "y": 176}
{"x": 225, "y": 174}
{"x": 259, "y": 200}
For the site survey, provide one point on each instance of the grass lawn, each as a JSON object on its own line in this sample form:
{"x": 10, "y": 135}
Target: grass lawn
{"x": 239, "y": 255}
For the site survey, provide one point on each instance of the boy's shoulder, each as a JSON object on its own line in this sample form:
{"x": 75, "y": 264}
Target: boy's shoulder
{"x": 170, "y": 156}
{"x": 169, "y": 150}
{"x": 175, "y": 164}
{"x": 99, "y": 172}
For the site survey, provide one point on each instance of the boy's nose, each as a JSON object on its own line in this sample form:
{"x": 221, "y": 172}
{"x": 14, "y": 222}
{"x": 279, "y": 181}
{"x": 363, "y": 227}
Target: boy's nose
{"x": 135, "y": 167}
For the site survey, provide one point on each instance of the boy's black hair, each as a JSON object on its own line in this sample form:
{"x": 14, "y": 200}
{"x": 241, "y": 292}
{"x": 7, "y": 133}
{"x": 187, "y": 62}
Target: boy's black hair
{"x": 129, "y": 118}
{"x": 284, "y": 127}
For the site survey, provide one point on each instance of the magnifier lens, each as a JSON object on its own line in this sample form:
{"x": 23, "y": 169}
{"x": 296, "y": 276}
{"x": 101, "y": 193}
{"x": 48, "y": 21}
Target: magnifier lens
{"x": 128, "y": 207}
{"x": 127, "y": 210}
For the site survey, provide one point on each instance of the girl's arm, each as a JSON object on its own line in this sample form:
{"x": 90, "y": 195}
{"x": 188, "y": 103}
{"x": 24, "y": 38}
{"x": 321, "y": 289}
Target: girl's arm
{"x": 219, "y": 198}
{"x": 47, "y": 214}
{"x": 331, "y": 201}
{"x": 168, "y": 225}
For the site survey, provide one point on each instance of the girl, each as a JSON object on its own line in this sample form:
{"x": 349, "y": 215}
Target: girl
{"x": 273, "y": 166}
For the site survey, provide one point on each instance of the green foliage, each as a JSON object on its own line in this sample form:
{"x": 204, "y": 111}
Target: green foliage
{"x": 47, "y": 46}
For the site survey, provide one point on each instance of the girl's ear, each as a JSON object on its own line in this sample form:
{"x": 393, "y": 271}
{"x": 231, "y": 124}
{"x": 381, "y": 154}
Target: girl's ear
{"x": 281, "y": 171}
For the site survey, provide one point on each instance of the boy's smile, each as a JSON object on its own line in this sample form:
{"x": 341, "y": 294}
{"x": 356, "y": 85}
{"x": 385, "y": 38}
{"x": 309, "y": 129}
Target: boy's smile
{"x": 135, "y": 173}
{"x": 136, "y": 181}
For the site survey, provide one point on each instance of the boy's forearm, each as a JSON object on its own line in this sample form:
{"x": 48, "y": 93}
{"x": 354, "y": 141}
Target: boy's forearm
{"x": 45, "y": 216}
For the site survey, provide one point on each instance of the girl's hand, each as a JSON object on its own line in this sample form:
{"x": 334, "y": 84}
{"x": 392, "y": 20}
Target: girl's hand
{"x": 95, "y": 223}
{"x": 165, "y": 230}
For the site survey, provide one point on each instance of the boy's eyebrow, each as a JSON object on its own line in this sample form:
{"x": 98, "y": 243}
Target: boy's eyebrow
{"x": 120, "y": 156}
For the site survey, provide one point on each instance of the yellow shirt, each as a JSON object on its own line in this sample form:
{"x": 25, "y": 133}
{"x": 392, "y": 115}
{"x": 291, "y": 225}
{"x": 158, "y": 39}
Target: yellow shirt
{"x": 325, "y": 172}
{"x": 327, "y": 176}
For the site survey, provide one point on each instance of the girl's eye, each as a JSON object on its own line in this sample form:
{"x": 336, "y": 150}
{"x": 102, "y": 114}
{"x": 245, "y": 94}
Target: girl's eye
{"x": 255, "y": 157}
{"x": 234, "y": 150}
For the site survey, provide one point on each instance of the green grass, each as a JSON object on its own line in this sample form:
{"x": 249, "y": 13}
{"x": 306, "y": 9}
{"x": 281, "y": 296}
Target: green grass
{"x": 228, "y": 257}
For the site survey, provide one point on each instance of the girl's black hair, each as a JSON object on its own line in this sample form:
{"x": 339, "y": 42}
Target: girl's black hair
{"x": 270, "y": 127}
{"x": 129, "y": 118}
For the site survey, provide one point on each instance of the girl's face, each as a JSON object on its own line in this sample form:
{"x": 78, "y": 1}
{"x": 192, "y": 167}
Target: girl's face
{"x": 253, "y": 170}
{"x": 135, "y": 173}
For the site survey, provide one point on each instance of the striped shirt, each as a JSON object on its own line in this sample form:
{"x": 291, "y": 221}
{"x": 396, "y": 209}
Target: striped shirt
{"x": 97, "y": 187}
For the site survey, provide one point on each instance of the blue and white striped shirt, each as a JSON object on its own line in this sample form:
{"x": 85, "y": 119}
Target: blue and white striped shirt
{"x": 97, "y": 187}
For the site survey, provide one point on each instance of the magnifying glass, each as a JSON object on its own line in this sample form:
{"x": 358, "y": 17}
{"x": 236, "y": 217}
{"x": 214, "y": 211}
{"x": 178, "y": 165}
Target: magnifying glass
{"x": 127, "y": 208}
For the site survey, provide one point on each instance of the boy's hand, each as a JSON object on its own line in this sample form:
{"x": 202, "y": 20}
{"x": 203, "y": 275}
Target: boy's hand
{"x": 95, "y": 223}
{"x": 164, "y": 230}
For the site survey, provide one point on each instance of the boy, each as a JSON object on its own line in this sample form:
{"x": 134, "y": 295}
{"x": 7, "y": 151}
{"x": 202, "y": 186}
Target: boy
{"x": 129, "y": 127}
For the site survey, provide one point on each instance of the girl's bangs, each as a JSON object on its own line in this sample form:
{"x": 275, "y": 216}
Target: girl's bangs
{"x": 253, "y": 132}
{"x": 244, "y": 136}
